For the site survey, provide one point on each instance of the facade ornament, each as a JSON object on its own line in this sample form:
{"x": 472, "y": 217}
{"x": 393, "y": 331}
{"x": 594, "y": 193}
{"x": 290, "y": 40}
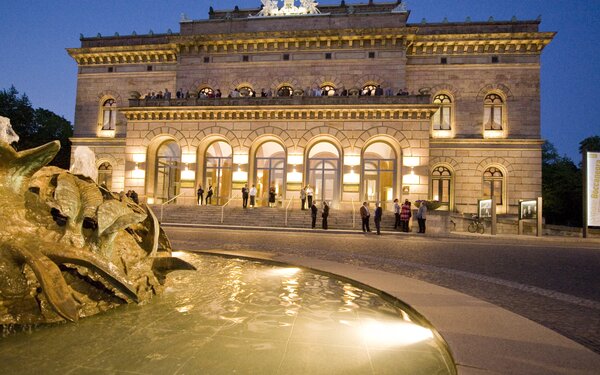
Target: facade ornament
{"x": 401, "y": 8}
{"x": 270, "y": 8}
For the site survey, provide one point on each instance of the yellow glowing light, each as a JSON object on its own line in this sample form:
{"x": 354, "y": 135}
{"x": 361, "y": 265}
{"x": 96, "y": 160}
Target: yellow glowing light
{"x": 150, "y": 200}
{"x": 390, "y": 334}
{"x": 240, "y": 159}
{"x": 187, "y": 175}
{"x": 352, "y": 160}
{"x": 295, "y": 159}
{"x": 410, "y": 161}
{"x": 188, "y": 158}
{"x": 138, "y": 173}
{"x": 410, "y": 179}
{"x": 239, "y": 176}
{"x": 351, "y": 178}
{"x": 139, "y": 158}
{"x": 493, "y": 134}
{"x": 294, "y": 176}
{"x": 184, "y": 309}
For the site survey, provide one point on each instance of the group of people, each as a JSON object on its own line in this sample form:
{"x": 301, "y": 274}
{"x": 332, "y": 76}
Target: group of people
{"x": 306, "y": 193}
{"x": 402, "y": 213}
{"x": 133, "y": 195}
{"x": 200, "y": 195}
{"x": 249, "y": 193}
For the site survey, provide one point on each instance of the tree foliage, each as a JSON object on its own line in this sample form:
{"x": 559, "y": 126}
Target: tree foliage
{"x": 36, "y": 126}
{"x": 590, "y": 144}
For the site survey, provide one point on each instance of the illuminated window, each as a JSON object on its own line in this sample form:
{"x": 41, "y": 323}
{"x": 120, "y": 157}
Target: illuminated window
{"x": 441, "y": 186}
{"x": 105, "y": 175}
{"x": 368, "y": 90}
{"x": 246, "y": 91}
{"x": 443, "y": 117}
{"x": 493, "y": 112}
{"x": 109, "y": 114}
{"x": 327, "y": 90}
{"x": 493, "y": 184}
{"x": 285, "y": 91}
{"x": 206, "y": 92}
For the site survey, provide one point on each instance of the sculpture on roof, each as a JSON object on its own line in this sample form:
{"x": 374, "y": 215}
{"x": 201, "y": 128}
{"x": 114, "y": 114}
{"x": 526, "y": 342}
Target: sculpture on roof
{"x": 270, "y": 8}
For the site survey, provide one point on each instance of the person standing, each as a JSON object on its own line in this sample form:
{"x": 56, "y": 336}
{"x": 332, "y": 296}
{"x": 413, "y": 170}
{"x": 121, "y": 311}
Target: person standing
{"x": 405, "y": 215}
{"x": 325, "y": 214}
{"x": 272, "y": 196}
{"x": 245, "y": 196}
{"x": 303, "y": 197}
{"x": 377, "y": 218}
{"x": 209, "y": 195}
{"x": 309, "y": 195}
{"x": 397, "y": 210}
{"x": 253, "y": 196}
{"x": 422, "y": 216}
{"x": 313, "y": 215}
{"x": 200, "y": 193}
{"x": 365, "y": 215}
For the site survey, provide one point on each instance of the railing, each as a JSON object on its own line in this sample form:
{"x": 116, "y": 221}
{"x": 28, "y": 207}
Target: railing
{"x": 286, "y": 211}
{"x": 169, "y": 201}
{"x": 223, "y": 207}
{"x": 353, "y": 215}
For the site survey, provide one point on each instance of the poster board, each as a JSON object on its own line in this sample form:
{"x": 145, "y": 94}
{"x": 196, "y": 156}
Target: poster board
{"x": 528, "y": 209}
{"x": 484, "y": 208}
{"x": 593, "y": 189}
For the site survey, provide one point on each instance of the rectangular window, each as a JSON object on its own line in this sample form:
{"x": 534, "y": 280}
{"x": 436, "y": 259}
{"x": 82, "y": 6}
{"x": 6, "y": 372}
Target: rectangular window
{"x": 371, "y": 55}
{"x": 149, "y": 68}
{"x": 206, "y": 59}
{"x": 495, "y": 60}
{"x": 111, "y": 69}
{"x": 286, "y": 56}
{"x": 444, "y": 60}
{"x": 328, "y": 56}
{"x": 245, "y": 58}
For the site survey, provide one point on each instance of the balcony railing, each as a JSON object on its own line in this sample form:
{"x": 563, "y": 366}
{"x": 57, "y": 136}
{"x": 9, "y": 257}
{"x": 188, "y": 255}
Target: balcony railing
{"x": 283, "y": 101}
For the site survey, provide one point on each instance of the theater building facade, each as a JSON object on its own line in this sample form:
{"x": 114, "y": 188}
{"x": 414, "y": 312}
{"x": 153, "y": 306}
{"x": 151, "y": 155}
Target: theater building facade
{"x": 353, "y": 99}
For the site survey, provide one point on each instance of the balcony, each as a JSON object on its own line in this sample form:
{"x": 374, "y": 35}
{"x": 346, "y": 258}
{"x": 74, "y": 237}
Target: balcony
{"x": 296, "y": 101}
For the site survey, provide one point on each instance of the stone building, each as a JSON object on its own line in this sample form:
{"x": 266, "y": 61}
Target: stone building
{"x": 352, "y": 99}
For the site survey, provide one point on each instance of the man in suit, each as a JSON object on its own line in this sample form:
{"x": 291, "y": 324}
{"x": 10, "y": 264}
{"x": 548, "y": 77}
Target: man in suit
{"x": 325, "y": 214}
{"x": 313, "y": 214}
{"x": 365, "y": 215}
{"x": 378, "y": 215}
{"x": 245, "y": 192}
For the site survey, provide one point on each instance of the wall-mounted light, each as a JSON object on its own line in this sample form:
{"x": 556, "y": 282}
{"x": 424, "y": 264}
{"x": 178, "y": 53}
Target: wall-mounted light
{"x": 187, "y": 174}
{"x": 138, "y": 172}
{"x": 294, "y": 177}
{"x": 150, "y": 200}
{"x": 351, "y": 178}
{"x": 295, "y": 159}
{"x": 410, "y": 179}
{"x": 239, "y": 175}
{"x": 139, "y": 157}
{"x": 188, "y": 158}
{"x": 352, "y": 160}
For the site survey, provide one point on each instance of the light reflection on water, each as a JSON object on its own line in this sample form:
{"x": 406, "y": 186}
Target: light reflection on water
{"x": 241, "y": 316}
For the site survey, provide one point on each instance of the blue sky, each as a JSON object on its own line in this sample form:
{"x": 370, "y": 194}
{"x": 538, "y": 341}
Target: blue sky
{"x": 35, "y": 33}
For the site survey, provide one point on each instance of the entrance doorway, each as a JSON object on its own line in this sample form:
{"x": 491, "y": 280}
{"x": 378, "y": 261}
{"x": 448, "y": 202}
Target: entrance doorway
{"x": 379, "y": 174}
{"x": 270, "y": 172}
{"x": 218, "y": 170}
{"x": 324, "y": 172}
{"x": 167, "y": 171}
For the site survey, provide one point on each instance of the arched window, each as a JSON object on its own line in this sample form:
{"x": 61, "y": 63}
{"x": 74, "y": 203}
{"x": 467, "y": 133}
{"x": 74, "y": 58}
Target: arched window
{"x": 285, "y": 91}
{"x": 105, "y": 175}
{"x": 323, "y": 171}
{"x": 109, "y": 114}
{"x": 368, "y": 90}
{"x": 493, "y": 184}
{"x": 218, "y": 171}
{"x": 246, "y": 91}
{"x": 327, "y": 90}
{"x": 270, "y": 170}
{"x": 441, "y": 186}
{"x": 379, "y": 173}
{"x": 167, "y": 171}
{"x": 206, "y": 92}
{"x": 493, "y": 112}
{"x": 443, "y": 117}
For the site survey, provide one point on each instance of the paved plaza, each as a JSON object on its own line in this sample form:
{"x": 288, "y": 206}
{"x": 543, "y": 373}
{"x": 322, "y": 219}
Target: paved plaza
{"x": 552, "y": 281}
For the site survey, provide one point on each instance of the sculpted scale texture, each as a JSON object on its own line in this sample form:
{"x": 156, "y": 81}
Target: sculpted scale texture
{"x": 68, "y": 247}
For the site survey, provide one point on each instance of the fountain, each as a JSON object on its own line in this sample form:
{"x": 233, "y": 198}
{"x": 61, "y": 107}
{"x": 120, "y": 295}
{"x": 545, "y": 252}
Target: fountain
{"x": 68, "y": 247}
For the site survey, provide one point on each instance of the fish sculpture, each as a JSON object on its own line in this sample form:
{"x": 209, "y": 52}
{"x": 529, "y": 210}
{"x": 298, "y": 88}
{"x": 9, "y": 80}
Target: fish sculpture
{"x": 69, "y": 248}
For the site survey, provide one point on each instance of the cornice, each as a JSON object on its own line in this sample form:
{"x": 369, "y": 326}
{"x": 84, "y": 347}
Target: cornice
{"x": 161, "y": 53}
{"x": 500, "y": 43}
{"x": 298, "y": 113}
{"x": 105, "y": 142}
{"x": 486, "y": 143}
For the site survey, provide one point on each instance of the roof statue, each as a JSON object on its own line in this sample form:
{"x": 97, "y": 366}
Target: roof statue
{"x": 270, "y": 8}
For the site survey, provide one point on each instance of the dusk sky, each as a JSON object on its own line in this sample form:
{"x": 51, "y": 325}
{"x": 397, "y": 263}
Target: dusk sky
{"x": 35, "y": 33}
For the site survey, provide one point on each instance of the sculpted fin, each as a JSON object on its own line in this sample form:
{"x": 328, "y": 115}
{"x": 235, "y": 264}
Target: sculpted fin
{"x": 15, "y": 166}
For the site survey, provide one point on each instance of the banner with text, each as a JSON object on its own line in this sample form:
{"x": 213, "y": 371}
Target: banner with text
{"x": 593, "y": 189}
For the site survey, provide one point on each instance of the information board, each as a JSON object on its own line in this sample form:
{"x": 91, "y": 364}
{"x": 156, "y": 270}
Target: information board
{"x": 593, "y": 189}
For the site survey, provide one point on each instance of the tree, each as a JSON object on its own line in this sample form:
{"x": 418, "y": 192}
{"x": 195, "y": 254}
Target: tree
{"x": 561, "y": 188}
{"x": 590, "y": 144}
{"x": 36, "y": 126}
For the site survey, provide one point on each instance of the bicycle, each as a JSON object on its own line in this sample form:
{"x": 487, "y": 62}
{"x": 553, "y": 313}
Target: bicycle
{"x": 476, "y": 225}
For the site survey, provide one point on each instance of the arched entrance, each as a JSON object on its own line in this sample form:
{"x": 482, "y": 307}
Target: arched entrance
{"x": 167, "y": 171}
{"x": 270, "y": 171}
{"x": 218, "y": 168}
{"x": 379, "y": 174}
{"x": 324, "y": 171}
